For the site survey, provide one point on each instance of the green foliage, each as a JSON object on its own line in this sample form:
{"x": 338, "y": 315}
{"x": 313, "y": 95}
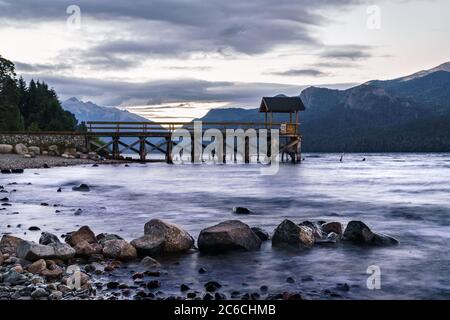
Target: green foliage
{"x": 10, "y": 118}
{"x": 34, "y": 107}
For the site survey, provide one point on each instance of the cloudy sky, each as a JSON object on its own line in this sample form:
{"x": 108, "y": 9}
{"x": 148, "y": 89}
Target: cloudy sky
{"x": 192, "y": 55}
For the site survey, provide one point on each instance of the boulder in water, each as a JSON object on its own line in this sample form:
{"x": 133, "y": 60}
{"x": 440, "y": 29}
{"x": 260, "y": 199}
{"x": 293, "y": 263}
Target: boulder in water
{"x": 358, "y": 232}
{"x": 261, "y": 233}
{"x": 241, "y": 210}
{"x": 289, "y": 233}
{"x": 162, "y": 237}
{"x": 228, "y": 236}
{"x": 335, "y": 227}
{"x": 82, "y": 188}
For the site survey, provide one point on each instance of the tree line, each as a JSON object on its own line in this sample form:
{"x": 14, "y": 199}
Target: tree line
{"x": 30, "y": 107}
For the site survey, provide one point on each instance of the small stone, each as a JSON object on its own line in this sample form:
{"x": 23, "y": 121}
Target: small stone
{"x": 48, "y": 238}
{"x": 184, "y": 288}
{"x": 202, "y": 271}
{"x": 113, "y": 285}
{"x": 34, "y": 228}
{"x": 39, "y": 293}
{"x": 290, "y": 280}
{"x": 208, "y": 297}
{"x": 56, "y": 295}
{"x": 37, "y": 267}
{"x": 241, "y": 210}
{"x": 149, "y": 263}
{"x": 212, "y": 286}
{"x": 17, "y": 269}
{"x": 154, "y": 284}
{"x": 14, "y": 278}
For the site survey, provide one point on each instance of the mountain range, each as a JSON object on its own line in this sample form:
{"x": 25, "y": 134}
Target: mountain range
{"x": 407, "y": 114}
{"x": 89, "y": 111}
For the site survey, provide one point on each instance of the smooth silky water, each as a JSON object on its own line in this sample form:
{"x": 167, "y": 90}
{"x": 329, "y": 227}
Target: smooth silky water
{"x": 403, "y": 195}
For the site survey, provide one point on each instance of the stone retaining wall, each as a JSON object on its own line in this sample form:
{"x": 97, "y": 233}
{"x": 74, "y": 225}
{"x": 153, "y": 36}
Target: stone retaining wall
{"x": 43, "y": 141}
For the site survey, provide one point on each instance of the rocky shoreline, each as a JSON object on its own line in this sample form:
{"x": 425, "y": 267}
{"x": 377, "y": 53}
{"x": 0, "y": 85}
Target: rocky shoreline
{"x": 83, "y": 265}
{"x": 13, "y": 163}
{"x": 16, "y": 158}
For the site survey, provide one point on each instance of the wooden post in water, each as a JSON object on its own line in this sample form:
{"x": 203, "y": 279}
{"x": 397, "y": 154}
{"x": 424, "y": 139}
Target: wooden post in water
{"x": 224, "y": 147}
{"x": 169, "y": 150}
{"x": 142, "y": 149}
{"x": 247, "y": 150}
{"x": 116, "y": 151}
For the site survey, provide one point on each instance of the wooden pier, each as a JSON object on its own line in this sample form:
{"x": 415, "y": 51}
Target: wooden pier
{"x": 114, "y": 139}
{"x": 117, "y": 139}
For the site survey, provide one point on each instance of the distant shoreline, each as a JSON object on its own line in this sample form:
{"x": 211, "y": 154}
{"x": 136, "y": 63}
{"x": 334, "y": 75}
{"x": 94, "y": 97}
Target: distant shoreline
{"x": 15, "y": 161}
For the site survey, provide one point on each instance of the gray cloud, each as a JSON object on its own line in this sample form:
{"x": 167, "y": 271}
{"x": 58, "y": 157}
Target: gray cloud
{"x": 179, "y": 28}
{"x": 46, "y": 68}
{"x": 114, "y": 93}
{"x": 350, "y": 52}
{"x": 301, "y": 72}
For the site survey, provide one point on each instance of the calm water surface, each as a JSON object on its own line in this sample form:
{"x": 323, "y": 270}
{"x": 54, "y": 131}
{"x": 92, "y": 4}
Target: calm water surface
{"x": 403, "y": 195}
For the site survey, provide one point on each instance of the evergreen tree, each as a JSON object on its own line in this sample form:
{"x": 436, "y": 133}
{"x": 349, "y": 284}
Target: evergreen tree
{"x": 10, "y": 118}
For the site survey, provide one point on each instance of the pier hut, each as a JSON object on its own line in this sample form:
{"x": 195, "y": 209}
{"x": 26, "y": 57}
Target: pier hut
{"x": 289, "y": 130}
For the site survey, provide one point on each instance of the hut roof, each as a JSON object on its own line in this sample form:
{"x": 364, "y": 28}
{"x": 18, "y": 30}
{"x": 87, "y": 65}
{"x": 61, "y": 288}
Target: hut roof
{"x": 281, "y": 104}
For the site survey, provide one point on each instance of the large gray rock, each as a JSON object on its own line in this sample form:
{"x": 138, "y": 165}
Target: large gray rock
{"x": 63, "y": 251}
{"x": 228, "y": 236}
{"x": 119, "y": 249}
{"x": 162, "y": 237}
{"x": 9, "y": 244}
{"x": 32, "y": 251}
{"x": 358, "y": 232}
{"x": 20, "y": 148}
{"x": 6, "y": 148}
{"x": 288, "y": 233}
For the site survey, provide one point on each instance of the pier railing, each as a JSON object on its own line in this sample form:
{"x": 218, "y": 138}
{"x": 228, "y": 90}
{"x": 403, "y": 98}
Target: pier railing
{"x": 155, "y": 128}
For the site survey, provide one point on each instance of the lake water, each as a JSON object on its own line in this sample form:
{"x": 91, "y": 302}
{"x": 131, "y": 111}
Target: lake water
{"x": 403, "y": 195}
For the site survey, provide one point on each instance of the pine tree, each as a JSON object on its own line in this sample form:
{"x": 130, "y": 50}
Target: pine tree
{"x": 10, "y": 118}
